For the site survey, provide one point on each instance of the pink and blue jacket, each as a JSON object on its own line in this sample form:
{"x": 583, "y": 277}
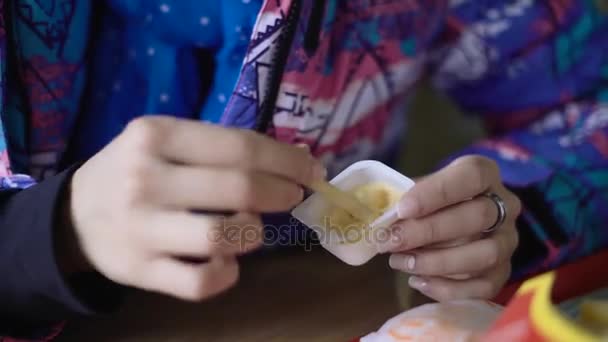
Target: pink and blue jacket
{"x": 335, "y": 74}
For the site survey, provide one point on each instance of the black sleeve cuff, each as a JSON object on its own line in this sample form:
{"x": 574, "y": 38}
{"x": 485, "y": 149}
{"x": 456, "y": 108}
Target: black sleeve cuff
{"x": 33, "y": 289}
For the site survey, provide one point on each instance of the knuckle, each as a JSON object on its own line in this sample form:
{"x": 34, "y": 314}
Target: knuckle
{"x": 245, "y": 189}
{"x": 479, "y": 180}
{"x": 398, "y": 237}
{"x": 471, "y": 161}
{"x": 415, "y": 199}
{"x": 145, "y": 133}
{"x": 305, "y": 173}
{"x": 492, "y": 253}
{"x": 304, "y": 165}
{"x": 443, "y": 191}
{"x": 432, "y": 265}
{"x": 137, "y": 183}
{"x": 483, "y": 163}
{"x": 431, "y": 232}
{"x": 245, "y": 147}
{"x": 482, "y": 171}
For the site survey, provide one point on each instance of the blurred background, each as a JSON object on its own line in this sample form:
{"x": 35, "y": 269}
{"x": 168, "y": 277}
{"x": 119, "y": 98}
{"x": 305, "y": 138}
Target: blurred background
{"x": 437, "y": 129}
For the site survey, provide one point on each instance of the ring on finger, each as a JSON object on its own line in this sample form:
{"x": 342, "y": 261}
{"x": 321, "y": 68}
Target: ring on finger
{"x": 501, "y": 208}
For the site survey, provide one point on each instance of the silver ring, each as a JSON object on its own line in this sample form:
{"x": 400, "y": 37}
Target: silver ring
{"x": 502, "y": 211}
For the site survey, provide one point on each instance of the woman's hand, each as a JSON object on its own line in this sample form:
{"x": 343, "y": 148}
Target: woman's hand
{"x": 132, "y": 205}
{"x": 440, "y": 239}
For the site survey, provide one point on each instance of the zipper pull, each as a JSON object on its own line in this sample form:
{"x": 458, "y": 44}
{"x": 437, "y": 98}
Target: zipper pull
{"x": 312, "y": 37}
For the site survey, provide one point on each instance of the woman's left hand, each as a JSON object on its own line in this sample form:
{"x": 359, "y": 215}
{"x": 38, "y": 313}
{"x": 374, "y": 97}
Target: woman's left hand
{"x": 442, "y": 239}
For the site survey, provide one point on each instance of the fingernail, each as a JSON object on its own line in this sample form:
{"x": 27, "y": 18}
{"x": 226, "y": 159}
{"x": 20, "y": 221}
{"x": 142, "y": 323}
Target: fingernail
{"x": 410, "y": 262}
{"x": 395, "y": 262}
{"x": 417, "y": 283}
{"x": 319, "y": 171}
{"x": 402, "y": 262}
{"x": 407, "y": 208}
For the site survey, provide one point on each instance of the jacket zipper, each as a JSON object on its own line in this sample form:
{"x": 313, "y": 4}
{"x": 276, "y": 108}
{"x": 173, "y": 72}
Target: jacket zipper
{"x": 278, "y": 61}
{"x": 312, "y": 38}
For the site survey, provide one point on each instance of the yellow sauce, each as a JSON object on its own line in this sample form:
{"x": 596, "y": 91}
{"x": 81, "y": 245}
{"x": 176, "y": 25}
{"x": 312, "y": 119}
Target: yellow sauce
{"x": 377, "y": 196}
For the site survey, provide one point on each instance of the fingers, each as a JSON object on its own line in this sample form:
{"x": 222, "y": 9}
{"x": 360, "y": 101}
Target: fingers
{"x": 445, "y": 289}
{"x": 472, "y": 270}
{"x": 460, "y": 220}
{"x": 213, "y": 188}
{"x": 471, "y": 258}
{"x": 465, "y": 178}
{"x": 442, "y": 232}
{"x": 193, "y": 282}
{"x": 193, "y": 235}
{"x": 195, "y": 143}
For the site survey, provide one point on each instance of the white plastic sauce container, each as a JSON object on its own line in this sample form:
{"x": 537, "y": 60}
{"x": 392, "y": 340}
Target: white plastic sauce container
{"x": 355, "y": 247}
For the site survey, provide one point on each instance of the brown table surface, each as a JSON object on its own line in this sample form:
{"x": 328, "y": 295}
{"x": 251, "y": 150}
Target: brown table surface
{"x": 284, "y": 296}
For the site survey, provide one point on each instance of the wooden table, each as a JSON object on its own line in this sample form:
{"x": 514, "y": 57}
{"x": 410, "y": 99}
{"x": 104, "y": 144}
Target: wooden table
{"x": 285, "y": 296}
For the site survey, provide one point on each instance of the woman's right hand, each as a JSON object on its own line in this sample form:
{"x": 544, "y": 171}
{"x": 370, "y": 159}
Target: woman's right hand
{"x": 131, "y": 205}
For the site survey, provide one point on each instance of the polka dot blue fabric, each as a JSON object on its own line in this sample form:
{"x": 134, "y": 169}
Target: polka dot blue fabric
{"x": 180, "y": 58}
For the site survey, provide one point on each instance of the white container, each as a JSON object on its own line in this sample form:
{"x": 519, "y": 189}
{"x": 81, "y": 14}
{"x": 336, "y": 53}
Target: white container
{"x": 356, "y": 247}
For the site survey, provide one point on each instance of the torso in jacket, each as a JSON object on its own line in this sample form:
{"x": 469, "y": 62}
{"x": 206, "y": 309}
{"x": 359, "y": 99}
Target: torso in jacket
{"x": 336, "y": 74}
